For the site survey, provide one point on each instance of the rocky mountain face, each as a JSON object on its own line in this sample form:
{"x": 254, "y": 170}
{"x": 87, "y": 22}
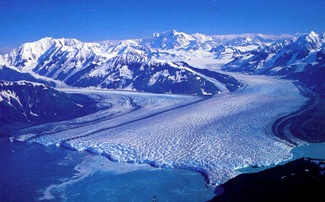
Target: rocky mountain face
{"x": 25, "y": 103}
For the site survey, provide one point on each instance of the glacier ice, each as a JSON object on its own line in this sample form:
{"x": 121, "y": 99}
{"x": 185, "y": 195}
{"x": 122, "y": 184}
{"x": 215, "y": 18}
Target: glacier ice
{"x": 215, "y": 135}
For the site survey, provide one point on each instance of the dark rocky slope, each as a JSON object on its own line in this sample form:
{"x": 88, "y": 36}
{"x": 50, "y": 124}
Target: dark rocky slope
{"x": 25, "y": 103}
{"x": 299, "y": 180}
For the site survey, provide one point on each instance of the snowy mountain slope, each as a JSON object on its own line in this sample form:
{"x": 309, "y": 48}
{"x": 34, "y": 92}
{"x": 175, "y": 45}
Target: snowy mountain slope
{"x": 173, "y": 39}
{"x": 32, "y": 55}
{"x": 160, "y": 77}
{"x": 24, "y": 103}
{"x": 200, "y": 50}
{"x": 301, "y": 58}
{"x": 170, "y": 62}
{"x": 282, "y": 57}
{"x": 48, "y": 54}
{"x": 120, "y": 65}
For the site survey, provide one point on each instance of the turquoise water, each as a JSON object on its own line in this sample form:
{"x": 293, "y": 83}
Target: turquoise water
{"x": 316, "y": 150}
{"x": 31, "y": 172}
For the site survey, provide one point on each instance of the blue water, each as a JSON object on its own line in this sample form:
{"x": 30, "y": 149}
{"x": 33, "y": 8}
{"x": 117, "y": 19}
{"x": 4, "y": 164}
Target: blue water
{"x": 316, "y": 151}
{"x": 31, "y": 172}
{"x": 27, "y": 168}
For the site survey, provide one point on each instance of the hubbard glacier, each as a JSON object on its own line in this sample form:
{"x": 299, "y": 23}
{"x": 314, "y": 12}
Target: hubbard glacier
{"x": 173, "y": 100}
{"x": 215, "y": 135}
{"x": 198, "y": 100}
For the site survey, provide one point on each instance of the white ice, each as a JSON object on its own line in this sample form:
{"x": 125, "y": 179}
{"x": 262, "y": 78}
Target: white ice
{"x": 217, "y": 136}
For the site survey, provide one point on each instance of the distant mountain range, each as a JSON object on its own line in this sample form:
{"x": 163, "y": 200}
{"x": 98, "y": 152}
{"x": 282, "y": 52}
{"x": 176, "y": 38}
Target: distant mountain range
{"x": 168, "y": 62}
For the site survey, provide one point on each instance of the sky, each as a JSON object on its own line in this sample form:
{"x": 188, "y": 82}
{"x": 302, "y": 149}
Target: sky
{"x": 97, "y": 20}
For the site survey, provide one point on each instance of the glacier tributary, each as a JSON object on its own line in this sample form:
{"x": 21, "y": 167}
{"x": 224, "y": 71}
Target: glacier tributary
{"x": 215, "y": 135}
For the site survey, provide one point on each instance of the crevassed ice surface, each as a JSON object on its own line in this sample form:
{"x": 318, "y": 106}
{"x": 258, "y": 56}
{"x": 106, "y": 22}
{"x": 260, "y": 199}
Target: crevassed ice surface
{"x": 216, "y": 135}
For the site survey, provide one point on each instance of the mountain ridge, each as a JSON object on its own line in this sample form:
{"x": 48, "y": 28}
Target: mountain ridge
{"x": 111, "y": 65}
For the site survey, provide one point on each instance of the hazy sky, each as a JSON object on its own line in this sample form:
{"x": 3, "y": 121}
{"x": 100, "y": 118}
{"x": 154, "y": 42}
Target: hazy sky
{"x": 95, "y": 20}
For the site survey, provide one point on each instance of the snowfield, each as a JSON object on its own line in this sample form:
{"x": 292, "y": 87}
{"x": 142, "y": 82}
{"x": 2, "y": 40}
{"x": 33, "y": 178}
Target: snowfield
{"x": 215, "y": 135}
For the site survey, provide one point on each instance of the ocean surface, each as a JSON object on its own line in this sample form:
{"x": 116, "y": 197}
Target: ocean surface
{"x": 32, "y": 172}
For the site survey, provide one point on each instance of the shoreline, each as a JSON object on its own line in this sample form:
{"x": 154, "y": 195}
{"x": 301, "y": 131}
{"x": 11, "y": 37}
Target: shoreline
{"x": 279, "y": 126}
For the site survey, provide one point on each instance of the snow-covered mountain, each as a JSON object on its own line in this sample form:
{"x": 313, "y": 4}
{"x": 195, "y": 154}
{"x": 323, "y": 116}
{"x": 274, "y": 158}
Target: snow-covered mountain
{"x": 24, "y": 103}
{"x": 283, "y": 57}
{"x": 301, "y": 58}
{"x": 167, "y": 62}
{"x": 128, "y": 64}
{"x": 182, "y": 41}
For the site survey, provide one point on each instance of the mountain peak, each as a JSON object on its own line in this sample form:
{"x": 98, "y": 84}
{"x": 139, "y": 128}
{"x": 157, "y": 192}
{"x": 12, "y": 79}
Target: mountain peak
{"x": 61, "y": 41}
{"x": 155, "y": 35}
{"x": 172, "y": 31}
{"x": 41, "y": 42}
{"x": 312, "y": 36}
{"x": 312, "y": 39}
{"x": 312, "y": 33}
{"x": 47, "y": 38}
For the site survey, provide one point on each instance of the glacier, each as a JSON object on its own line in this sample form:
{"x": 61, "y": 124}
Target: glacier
{"x": 216, "y": 135}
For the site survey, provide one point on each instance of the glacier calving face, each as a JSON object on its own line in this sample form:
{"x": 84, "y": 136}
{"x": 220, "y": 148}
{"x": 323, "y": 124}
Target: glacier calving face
{"x": 216, "y": 135}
